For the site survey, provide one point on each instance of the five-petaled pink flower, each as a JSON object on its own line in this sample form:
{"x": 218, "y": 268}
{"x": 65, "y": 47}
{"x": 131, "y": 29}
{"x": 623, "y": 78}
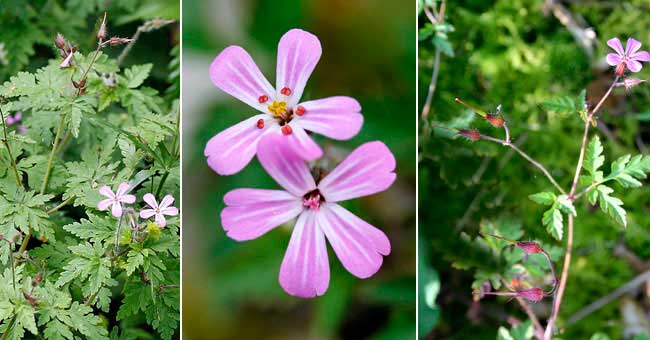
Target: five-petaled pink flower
{"x": 630, "y": 58}
{"x": 282, "y": 113}
{"x": 359, "y": 246}
{"x": 159, "y": 211}
{"x": 116, "y": 199}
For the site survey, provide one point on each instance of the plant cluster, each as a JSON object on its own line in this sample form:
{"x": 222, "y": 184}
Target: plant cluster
{"x": 627, "y": 171}
{"x": 78, "y": 259}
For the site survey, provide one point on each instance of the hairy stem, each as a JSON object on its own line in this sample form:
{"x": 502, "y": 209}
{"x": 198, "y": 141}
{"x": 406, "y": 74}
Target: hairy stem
{"x": 9, "y": 326}
{"x": 63, "y": 204}
{"x": 162, "y": 182}
{"x": 432, "y": 85}
{"x": 557, "y": 300}
{"x": 6, "y": 143}
{"x": 539, "y": 330}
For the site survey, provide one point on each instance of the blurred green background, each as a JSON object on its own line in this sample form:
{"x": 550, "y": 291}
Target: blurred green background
{"x": 517, "y": 53}
{"x": 230, "y": 289}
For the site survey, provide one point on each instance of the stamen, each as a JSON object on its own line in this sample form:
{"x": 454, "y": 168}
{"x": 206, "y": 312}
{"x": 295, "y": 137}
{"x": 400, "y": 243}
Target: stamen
{"x": 286, "y": 130}
{"x": 278, "y": 108}
{"x": 263, "y": 99}
{"x": 286, "y": 91}
{"x": 312, "y": 200}
{"x": 260, "y": 124}
{"x": 300, "y": 110}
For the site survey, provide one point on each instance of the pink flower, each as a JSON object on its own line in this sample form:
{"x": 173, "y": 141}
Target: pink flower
{"x": 630, "y": 58}
{"x": 17, "y": 117}
{"x": 116, "y": 199}
{"x": 282, "y": 113}
{"x": 159, "y": 211}
{"x": 359, "y": 246}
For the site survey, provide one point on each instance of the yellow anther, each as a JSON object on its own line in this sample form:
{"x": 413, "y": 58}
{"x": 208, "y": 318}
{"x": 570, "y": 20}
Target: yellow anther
{"x": 278, "y": 108}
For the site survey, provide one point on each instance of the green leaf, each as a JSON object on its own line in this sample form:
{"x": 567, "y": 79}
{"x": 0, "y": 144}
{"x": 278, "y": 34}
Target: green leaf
{"x": 136, "y": 74}
{"x": 594, "y": 159}
{"x": 563, "y": 105}
{"x": 566, "y": 205}
{"x": 553, "y": 221}
{"x": 545, "y": 198}
{"x": 628, "y": 171}
{"x": 611, "y": 205}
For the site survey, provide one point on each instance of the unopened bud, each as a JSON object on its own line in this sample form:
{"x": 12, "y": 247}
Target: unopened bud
{"x": 472, "y": 134}
{"x": 31, "y": 299}
{"x": 80, "y": 84}
{"x": 495, "y": 119}
{"x": 101, "y": 34}
{"x": 59, "y": 41}
{"x": 37, "y": 279}
{"x": 529, "y": 247}
{"x": 532, "y": 294}
{"x": 631, "y": 82}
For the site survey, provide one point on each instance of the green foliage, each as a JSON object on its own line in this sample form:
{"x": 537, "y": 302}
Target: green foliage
{"x": 68, "y": 270}
{"x": 523, "y": 331}
{"x": 510, "y": 52}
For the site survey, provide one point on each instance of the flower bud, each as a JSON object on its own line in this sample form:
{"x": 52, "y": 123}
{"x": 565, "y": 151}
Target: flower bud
{"x": 530, "y": 247}
{"x": 59, "y": 41}
{"x": 37, "y": 279}
{"x": 101, "y": 34}
{"x": 472, "y": 134}
{"x": 631, "y": 82}
{"x": 495, "y": 119}
{"x": 532, "y": 294}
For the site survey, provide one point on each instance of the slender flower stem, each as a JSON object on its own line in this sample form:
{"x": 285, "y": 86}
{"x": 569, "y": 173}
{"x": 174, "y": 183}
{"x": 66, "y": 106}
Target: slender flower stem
{"x": 118, "y": 233}
{"x": 6, "y": 143}
{"x": 539, "y": 330}
{"x": 50, "y": 162}
{"x": 8, "y": 329}
{"x": 162, "y": 182}
{"x": 528, "y": 158}
{"x": 557, "y": 300}
{"x": 432, "y": 85}
{"x": 63, "y": 204}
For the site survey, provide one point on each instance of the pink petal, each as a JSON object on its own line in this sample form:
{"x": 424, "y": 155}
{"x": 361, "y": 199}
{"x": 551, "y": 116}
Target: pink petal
{"x": 171, "y": 211}
{"x": 116, "y": 209}
{"x": 18, "y": 116}
{"x": 235, "y": 72}
{"x": 232, "y": 149}
{"x": 632, "y": 46}
{"x": 358, "y": 245}
{"x": 247, "y": 222}
{"x": 128, "y": 199}
{"x": 334, "y": 117}
{"x": 305, "y": 268}
{"x": 245, "y": 196}
{"x": 284, "y": 165}
{"x": 298, "y": 54}
{"x": 302, "y": 144}
{"x": 613, "y": 59}
{"x": 160, "y": 220}
{"x": 66, "y": 62}
{"x": 615, "y": 43}
{"x": 634, "y": 66}
{"x": 10, "y": 120}
{"x": 106, "y": 191}
{"x": 166, "y": 201}
{"x": 641, "y": 56}
{"x": 122, "y": 189}
{"x": 104, "y": 204}
{"x": 146, "y": 213}
{"x": 367, "y": 170}
{"x": 150, "y": 199}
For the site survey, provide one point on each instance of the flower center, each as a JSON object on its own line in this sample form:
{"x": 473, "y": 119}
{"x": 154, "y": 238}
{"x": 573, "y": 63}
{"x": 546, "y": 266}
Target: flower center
{"x": 278, "y": 108}
{"x": 313, "y": 200}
